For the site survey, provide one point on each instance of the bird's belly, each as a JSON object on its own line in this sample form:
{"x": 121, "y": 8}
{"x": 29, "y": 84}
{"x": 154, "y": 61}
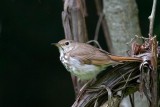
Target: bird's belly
{"x": 82, "y": 71}
{"x": 86, "y": 72}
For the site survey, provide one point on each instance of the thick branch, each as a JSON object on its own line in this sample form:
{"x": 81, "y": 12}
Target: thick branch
{"x": 153, "y": 43}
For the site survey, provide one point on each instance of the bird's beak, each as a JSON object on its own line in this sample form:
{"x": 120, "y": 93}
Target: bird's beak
{"x": 55, "y": 44}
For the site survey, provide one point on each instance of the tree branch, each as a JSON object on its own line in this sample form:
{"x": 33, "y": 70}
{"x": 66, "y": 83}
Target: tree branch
{"x": 151, "y": 18}
{"x": 102, "y": 22}
{"x": 153, "y": 44}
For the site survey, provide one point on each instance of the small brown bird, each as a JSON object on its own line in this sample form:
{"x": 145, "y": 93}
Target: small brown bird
{"x": 86, "y": 61}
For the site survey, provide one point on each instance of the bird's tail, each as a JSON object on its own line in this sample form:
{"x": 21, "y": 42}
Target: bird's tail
{"x": 125, "y": 59}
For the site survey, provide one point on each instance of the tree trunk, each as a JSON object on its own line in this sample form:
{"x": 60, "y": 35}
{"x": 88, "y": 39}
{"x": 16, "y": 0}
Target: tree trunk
{"x": 122, "y": 19}
{"x": 123, "y": 24}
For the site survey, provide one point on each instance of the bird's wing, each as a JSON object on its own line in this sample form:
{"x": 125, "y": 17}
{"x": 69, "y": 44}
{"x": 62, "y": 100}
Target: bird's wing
{"x": 88, "y": 54}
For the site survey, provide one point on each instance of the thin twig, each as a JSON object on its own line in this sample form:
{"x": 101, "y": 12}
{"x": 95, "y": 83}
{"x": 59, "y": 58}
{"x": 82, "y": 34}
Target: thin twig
{"x": 98, "y": 26}
{"x": 95, "y": 42}
{"x": 102, "y": 21}
{"x": 131, "y": 100}
{"x": 151, "y": 18}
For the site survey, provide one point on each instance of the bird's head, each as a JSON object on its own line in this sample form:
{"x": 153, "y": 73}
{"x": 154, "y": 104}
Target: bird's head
{"x": 64, "y": 45}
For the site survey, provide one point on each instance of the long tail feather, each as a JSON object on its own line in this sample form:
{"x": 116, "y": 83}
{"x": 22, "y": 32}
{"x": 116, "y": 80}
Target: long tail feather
{"x": 123, "y": 58}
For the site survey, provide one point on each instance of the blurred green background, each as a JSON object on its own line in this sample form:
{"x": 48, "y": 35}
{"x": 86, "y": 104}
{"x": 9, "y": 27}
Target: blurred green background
{"x": 31, "y": 74}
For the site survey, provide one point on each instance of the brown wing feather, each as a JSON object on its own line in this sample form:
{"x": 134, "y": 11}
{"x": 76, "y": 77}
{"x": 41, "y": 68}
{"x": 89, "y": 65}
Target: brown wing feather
{"x": 88, "y": 54}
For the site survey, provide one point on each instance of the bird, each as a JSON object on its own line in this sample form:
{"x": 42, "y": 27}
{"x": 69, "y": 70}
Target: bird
{"x": 86, "y": 61}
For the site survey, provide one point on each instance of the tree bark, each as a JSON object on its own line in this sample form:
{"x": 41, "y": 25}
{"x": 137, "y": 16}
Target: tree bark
{"x": 123, "y": 24}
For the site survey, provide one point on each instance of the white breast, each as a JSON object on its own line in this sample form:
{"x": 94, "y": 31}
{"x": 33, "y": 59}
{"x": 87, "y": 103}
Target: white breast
{"x": 82, "y": 71}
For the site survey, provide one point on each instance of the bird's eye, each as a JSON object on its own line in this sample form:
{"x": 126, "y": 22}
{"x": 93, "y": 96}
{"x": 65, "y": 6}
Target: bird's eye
{"x": 67, "y": 43}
